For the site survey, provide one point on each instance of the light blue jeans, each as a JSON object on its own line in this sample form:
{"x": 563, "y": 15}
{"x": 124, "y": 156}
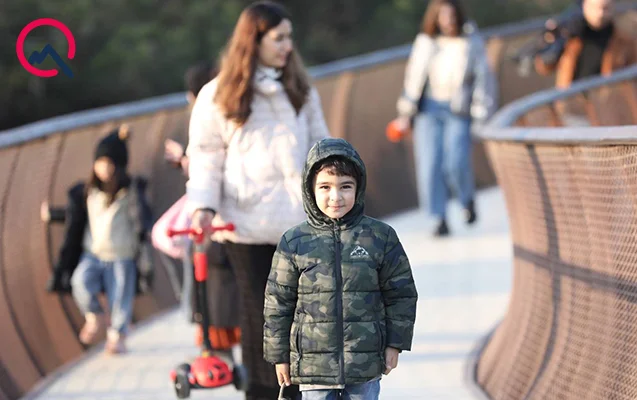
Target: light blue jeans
{"x": 117, "y": 278}
{"x": 443, "y": 155}
{"x": 364, "y": 391}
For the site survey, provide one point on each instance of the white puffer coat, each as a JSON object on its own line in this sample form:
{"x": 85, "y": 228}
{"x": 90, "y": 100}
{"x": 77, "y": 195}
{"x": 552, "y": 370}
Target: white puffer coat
{"x": 251, "y": 175}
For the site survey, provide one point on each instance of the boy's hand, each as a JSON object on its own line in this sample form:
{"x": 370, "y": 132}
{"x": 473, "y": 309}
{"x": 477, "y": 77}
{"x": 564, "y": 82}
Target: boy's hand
{"x": 45, "y": 211}
{"x": 391, "y": 359}
{"x": 283, "y": 374}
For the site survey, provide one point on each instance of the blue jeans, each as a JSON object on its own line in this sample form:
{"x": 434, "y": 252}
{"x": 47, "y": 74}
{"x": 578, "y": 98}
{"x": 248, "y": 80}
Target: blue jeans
{"x": 117, "y": 278}
{"x": 443, "y": 155}
{"x": 363, "y": 391}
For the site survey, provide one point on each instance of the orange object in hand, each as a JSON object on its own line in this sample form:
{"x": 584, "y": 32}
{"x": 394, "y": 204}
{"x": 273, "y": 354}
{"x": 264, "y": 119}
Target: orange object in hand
{"x": 393, "y": 133}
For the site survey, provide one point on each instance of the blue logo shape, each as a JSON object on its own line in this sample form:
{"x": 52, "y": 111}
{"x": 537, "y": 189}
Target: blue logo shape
{"x": 38, "y": 57}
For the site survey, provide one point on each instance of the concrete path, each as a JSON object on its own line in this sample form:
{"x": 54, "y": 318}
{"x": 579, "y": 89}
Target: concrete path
{"x": 463, "y": 284}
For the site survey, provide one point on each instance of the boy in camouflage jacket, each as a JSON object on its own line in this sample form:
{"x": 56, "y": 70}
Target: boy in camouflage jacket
{"x": 340, "y": 302}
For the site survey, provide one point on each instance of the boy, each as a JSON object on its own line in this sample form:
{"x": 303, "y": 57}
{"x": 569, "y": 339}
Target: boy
{"x": 340, "y": 303}
{"x": 195, "y": 78}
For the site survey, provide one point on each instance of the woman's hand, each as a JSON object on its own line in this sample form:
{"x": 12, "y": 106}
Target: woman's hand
{"x": 283, "y": 374}
{"x": 402, "y": 123}
{"x": 202, "y": 218}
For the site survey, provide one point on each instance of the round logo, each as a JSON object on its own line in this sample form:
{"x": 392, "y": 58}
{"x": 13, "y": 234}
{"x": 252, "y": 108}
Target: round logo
{"x": 39, "y": 56}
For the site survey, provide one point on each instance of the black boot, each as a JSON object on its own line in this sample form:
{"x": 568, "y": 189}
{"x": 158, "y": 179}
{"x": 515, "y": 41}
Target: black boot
{"x": 441, "y": 229}
{"x": 470, "y": 213}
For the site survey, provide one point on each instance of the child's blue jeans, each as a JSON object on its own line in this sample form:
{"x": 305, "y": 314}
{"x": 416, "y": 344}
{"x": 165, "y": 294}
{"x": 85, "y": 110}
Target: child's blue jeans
{"x": 443, "y": 155}
{"x": 116, "y": 278}
{"x": 364, "y": 391}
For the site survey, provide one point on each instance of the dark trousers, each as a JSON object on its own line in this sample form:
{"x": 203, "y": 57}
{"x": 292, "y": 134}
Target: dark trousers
{"x": 251, "y": 264}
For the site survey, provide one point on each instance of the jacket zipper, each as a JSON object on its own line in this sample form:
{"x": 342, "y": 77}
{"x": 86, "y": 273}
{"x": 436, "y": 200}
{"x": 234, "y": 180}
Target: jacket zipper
{"x": 299, "y": 338}
{"x": 380, "y": 335}
{"x": 339, "y": 304}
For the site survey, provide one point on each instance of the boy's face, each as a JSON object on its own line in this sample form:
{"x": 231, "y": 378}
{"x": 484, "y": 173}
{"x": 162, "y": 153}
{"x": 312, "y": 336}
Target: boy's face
{"x": 335, "y": 195}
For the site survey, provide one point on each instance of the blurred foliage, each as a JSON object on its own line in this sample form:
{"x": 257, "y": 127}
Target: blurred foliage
{"x": 133, "y": 49}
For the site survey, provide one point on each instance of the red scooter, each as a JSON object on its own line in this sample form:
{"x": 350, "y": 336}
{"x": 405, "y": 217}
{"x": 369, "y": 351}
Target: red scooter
{"x": 207, "y": 371}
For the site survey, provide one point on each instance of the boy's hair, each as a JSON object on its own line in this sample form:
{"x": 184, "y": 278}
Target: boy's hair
{"x": 198, "y": 75}
{"x": 339, "y": 166}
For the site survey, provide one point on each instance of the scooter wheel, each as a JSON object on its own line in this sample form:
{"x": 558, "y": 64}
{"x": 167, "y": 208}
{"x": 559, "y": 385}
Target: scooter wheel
{"x": 183, "y": 367}
{"x": 182, "y": 384}
{"x": 240, "y": 378}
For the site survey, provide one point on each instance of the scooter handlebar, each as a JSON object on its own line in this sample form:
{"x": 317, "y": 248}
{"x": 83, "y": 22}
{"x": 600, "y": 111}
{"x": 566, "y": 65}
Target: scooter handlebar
{"x": 199, "y": 232}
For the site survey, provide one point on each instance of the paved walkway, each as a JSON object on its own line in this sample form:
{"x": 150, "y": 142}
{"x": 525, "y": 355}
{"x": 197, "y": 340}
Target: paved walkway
{"x": 463, "y": 285}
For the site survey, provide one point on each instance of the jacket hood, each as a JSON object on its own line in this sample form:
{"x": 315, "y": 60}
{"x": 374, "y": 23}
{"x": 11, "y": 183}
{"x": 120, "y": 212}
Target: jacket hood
{"x": 320, "y": 151}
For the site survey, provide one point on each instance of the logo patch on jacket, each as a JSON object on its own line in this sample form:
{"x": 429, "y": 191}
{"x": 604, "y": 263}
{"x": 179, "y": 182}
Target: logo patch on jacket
{"x": 359, "y": 252}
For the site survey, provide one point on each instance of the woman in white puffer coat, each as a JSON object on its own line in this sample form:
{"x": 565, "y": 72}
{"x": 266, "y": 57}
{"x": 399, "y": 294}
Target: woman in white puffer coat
{"x": 250, "y": 131}
{"x": 449, "y": 86}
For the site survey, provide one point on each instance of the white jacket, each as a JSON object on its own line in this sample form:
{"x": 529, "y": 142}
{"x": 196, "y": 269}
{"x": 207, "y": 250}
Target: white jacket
{"x": 251, "y": 175}
{"x": 477, "y": 97}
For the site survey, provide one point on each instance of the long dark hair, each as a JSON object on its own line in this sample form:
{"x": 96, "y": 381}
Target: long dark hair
{"x": 239, "y": 62}
{"x": 120, "y": 180}
{"x": 430, "y": 19}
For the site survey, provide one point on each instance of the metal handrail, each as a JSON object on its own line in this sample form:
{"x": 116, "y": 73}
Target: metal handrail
{"x": 500, "y": 127}
{"x": 76, "y": 120}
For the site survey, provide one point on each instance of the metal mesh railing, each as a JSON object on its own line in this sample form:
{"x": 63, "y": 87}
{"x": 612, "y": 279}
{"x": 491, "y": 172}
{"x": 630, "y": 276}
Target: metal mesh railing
{"x": 571, "y": 195}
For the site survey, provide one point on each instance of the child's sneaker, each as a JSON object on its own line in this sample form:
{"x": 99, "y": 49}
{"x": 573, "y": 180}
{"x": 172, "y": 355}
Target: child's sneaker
{"x": 91, "y": 328}
{"x": 114, "y": 342}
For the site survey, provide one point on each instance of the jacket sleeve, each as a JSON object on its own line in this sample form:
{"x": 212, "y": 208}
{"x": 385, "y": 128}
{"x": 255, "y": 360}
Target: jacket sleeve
{"x": 415, "y": 77}
{"x": 543, "y": 68}
{"x": 485, "y": 86}
{"x": 399, "y": 294}
{"x": 75, "y": 222}
{"x": 57, "y": 215}
{"x": 317, "y": 125}
{"x": 280, "y": 305}
{"x": 206, "y": 152}
{"x": 143, "y": 225}
{"x": 547, "y": 60}
{"x": 631, "y": 49}
{"x": 145, "y": 211}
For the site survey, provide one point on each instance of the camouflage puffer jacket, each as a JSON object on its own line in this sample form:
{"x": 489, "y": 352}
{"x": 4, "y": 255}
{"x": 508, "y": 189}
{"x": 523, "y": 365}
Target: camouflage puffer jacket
{"x": 339, "y": 292}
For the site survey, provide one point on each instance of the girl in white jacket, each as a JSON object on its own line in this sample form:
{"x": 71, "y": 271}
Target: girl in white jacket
{"x": 448, "y": 86}
{"x": 250, "y": 131}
